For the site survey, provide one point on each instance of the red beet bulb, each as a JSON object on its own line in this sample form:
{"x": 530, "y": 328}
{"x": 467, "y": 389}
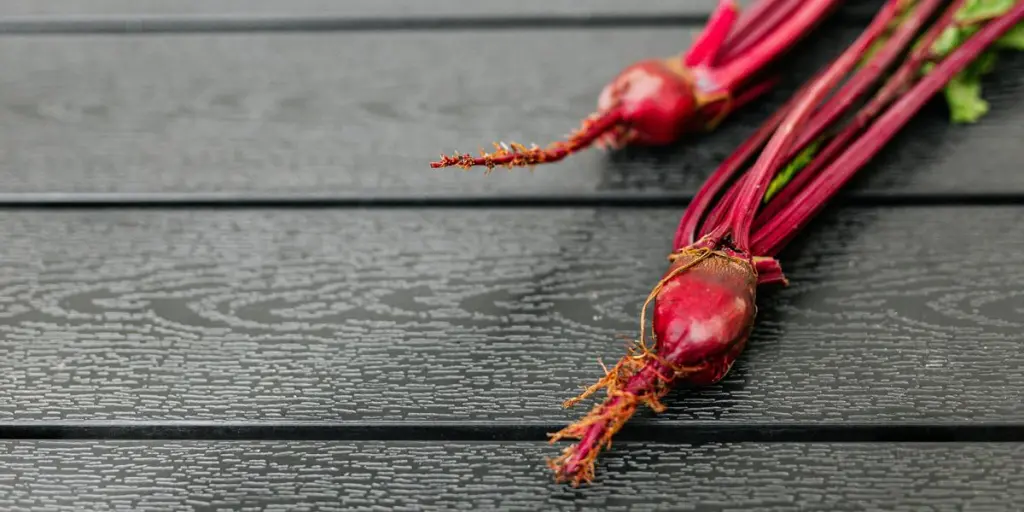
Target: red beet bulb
{"x": 657, "y": 102}
{"x": 703, "y": 316}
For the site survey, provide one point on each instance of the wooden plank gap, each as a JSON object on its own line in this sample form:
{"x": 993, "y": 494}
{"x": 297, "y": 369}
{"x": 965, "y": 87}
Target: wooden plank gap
{"x": 697, "y": 432}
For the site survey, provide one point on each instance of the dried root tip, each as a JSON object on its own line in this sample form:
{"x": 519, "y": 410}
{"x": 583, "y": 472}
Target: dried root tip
{"x": 506, "y": 155}
{"x": 596, "y": 430}
{"x": 625, "y": 394}
{"x": 577, "y": 463}
{"x": 613, "y": 380}
{"x": 518, "y": 155}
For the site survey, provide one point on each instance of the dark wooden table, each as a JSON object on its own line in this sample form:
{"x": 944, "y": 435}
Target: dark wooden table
{"x": 230, "y": 281}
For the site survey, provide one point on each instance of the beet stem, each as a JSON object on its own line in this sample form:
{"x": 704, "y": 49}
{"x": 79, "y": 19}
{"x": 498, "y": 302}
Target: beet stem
{"x": 901, "y": 79}
{"x": 847, "y": 95}
{"x": 812, "y": 199}
{"x": 752, "y": 17}
{"x": 828, "y": 113}
{"x": 731, "y": 74}
{"x": 867, "y": 75}
{"x": 753, "y": 26}
{"x": 708, "y": 44}
{"x": 721, "y": 209}
{"x": 854, "y": 89}
{"x": 771, "y": 159}
{"x": 686, "y": 233}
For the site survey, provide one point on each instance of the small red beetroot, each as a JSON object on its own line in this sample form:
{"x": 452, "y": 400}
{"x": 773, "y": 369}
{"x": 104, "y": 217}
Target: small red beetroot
{"x": 659, "y": 101}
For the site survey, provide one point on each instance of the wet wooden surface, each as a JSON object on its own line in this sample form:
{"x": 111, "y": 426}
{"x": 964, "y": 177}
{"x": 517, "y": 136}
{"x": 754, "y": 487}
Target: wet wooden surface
{"x": 229, "y": 278}
{"x": 358, "y": 117}
{"x": 413, "y": 9}
{"x": 410, "y": 475}
{"x": 474, "y": 314}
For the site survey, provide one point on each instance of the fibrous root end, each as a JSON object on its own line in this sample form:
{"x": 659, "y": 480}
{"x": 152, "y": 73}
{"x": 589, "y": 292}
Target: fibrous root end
{"x": 595, "y": 431}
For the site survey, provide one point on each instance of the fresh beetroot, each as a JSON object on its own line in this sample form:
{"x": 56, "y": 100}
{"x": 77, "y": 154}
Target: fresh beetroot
{"x": 659, "y": 101}
{"x": 704, "y": 305}
{"x": 702, "y": 317}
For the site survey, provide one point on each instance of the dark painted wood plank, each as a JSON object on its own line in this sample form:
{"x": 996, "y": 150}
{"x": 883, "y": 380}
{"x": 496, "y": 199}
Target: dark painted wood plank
{"x": 361, "y": 115}
{"x": 347, "y": 8}
{"x": 296, "y": 475}
{"x": 444, "y": 15}
{"x": 894, "y": 315}
{"x": 411, "y": 8}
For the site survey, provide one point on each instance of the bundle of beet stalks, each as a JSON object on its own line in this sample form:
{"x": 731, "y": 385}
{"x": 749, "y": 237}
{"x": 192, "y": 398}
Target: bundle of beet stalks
{"x": 746, "y": 212}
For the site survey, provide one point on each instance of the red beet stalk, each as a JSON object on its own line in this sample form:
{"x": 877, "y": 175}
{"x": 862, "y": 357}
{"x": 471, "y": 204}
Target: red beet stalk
{"x": 704, "y": 305}
{"x": 757, "y": 22}
{"x": 901, "y": 80}
{"x": 659, "y": 101}
{"x": 826, "y": 116}
{"x": 718, "y": 180}
{"x": 811, "y": 199}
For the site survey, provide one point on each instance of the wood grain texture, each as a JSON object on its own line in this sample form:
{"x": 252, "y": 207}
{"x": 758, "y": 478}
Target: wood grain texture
{"x": 361, "y": 115}
{"x": 363, "y": 7}
{"x": 56, "y": 476}
{"x": 894, "y": 315}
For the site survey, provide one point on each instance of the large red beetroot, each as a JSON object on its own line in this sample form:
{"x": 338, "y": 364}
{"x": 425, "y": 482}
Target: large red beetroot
{"x": 659, "y": 101}
{"x": 704, "y": 306}
{"x": 703, "y": 315}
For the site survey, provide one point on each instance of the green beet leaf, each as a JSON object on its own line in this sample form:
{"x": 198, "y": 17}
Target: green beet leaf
{"x": 1012, "y": 40}
{"x": 963, "y": 92}
{"x": 980, "y": 10}
{"x": 965, "y": 102}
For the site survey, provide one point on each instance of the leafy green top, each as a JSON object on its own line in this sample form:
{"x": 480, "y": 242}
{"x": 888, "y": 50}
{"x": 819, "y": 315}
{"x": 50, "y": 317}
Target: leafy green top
{"x": 963, "y": 92}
